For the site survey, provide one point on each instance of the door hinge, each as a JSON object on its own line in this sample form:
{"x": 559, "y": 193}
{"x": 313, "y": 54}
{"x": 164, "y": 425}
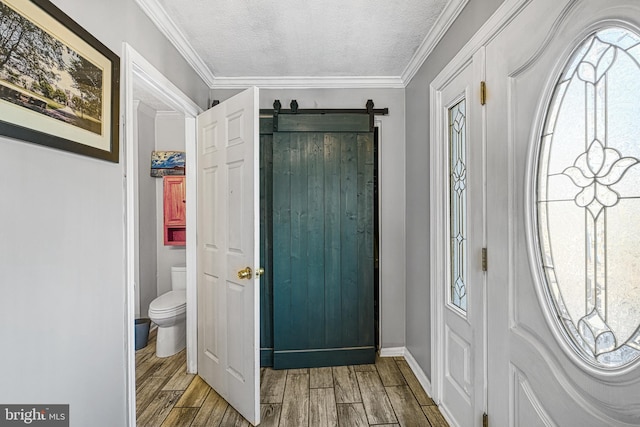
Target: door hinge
{"x": 483, "y": 93}
{"x": 484, "y": 259}
{"x": 485, "y": 420}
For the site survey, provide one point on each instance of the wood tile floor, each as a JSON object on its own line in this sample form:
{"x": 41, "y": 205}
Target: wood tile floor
{"x": 383, "y": 395}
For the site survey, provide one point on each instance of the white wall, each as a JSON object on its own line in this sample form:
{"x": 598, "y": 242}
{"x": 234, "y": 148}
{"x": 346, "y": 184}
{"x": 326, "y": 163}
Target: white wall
{"x": 157, "y": 131}
{"x": 417, "y": 161}
{"x": 62, "y": 307}
{"x": 147, "y": 210}
{"x": 392, "y": 186}
{"x": 170, "y": 133}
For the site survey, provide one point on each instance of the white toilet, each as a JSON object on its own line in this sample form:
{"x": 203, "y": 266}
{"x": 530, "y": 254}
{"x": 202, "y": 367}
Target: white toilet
{"x": 169, "y": 312}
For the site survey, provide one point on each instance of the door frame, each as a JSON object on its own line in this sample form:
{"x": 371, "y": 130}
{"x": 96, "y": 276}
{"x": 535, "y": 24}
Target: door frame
{"x": 439, "y": 187}
{"x": 440, "y": 224}
{"x": 138, "y": 72}
{"x": 377, "y": 125}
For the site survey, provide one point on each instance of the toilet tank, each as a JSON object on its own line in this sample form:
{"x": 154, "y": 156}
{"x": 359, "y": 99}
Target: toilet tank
{"x": 178, "y": 277}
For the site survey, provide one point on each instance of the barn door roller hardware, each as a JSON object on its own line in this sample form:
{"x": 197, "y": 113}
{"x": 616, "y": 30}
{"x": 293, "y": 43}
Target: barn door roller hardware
{"x": 277, "y": 110}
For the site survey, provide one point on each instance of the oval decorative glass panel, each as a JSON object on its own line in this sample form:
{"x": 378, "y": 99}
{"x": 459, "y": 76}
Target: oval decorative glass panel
{"x": 588, "y": 199}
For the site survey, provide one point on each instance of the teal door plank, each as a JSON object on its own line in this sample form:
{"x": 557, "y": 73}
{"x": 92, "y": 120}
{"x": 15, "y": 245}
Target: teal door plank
{"x": 366, "y": 280}
{"x": 315, "y": 237}
{"x": 320, "y": 358}
{"x": 348, "y": 242}
{"x": 351, "y": 123}
{"x": 298, "y": 338}
{"x": 266, "y": 125}
{"x": 281, "y": 238}
{"x": 333, "y": 223}
{"x": 266, "y": 236}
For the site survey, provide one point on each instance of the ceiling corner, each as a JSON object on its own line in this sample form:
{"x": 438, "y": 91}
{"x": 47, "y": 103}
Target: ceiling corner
{"x": 165, "y": 24}
{"x": 442, "y": 24}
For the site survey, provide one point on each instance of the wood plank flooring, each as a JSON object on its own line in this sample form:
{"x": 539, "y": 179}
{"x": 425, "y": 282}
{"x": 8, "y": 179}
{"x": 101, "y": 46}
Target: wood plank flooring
{"x": 386, "y": 393}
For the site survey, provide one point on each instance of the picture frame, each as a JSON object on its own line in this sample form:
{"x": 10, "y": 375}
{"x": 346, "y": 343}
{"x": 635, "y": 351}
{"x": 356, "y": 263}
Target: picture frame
{"x": 167, "y": 163}
{"x": 59, "y": 85}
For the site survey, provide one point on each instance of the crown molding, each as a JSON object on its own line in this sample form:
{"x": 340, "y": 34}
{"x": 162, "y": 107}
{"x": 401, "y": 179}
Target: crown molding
{"x": 302, "y": 82}
{"x": 442, "y": 24}
{"x": 165, "y": 24}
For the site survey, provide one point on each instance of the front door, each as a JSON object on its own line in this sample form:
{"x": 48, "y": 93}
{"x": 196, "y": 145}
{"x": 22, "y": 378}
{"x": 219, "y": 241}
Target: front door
{"x": 228, "y": 252}
{"x": 563, "y": 84}
{"x": 458, "y": 222}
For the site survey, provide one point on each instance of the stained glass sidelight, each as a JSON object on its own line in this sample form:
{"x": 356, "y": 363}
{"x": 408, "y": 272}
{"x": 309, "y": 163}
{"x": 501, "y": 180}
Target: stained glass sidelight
{"x": 458, "y": 204}
{"x": 588, "y": 199}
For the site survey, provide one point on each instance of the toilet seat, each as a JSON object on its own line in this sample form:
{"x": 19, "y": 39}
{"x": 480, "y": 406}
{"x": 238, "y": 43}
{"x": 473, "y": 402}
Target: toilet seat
{"x": 173, "y": 303}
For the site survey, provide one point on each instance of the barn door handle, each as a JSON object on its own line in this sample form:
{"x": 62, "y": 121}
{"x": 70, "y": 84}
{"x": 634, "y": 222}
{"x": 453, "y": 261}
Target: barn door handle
{"x": 245, "y": 274}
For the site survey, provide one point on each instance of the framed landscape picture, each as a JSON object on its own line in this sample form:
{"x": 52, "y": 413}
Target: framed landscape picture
{"x": 167, "y": 163}
{"x": 59, "y": 86}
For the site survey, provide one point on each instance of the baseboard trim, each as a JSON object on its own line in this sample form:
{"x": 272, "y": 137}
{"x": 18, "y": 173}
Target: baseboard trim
{"x": 418, "y": 372}
{"x": 392, "y": 351}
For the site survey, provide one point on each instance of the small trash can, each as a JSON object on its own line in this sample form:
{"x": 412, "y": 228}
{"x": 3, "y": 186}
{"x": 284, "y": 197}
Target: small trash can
{"x": 142, "y": 332}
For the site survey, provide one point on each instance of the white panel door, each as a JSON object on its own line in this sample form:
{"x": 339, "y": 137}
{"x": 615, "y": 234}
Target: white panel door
{"x": 458, "y": 189}
{"x": 228, "y": 243}
{"x": 537, "y": 377}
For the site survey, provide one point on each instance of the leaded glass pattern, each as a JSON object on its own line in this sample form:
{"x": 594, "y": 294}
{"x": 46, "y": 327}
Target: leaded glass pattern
{"x": 588, "y": 199}
{"x": 458, "y": 204}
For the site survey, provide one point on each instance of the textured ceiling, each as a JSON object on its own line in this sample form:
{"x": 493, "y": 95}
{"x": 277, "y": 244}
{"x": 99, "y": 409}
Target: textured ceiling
{"x": 286, "y": 38}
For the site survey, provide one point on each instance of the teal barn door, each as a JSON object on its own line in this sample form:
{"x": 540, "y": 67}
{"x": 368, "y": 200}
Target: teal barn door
{"x": 323, "y": 242}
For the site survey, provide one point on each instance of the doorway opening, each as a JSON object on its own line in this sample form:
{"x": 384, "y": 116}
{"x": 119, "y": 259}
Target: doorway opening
{"x": 143, "y": 82}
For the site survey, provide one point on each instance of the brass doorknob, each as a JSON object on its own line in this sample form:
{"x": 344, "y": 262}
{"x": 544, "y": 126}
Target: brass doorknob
{"x": 245, "y": 273}
{"x": 260, "y": 272}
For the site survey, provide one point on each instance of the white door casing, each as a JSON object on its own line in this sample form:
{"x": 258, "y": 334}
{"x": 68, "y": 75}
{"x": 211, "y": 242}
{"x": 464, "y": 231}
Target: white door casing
{"x": 139, "y": 74}
{"x": 535, "y": 378}
{"x": 228, "y": 241}
{"x": 459, "y": 365}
